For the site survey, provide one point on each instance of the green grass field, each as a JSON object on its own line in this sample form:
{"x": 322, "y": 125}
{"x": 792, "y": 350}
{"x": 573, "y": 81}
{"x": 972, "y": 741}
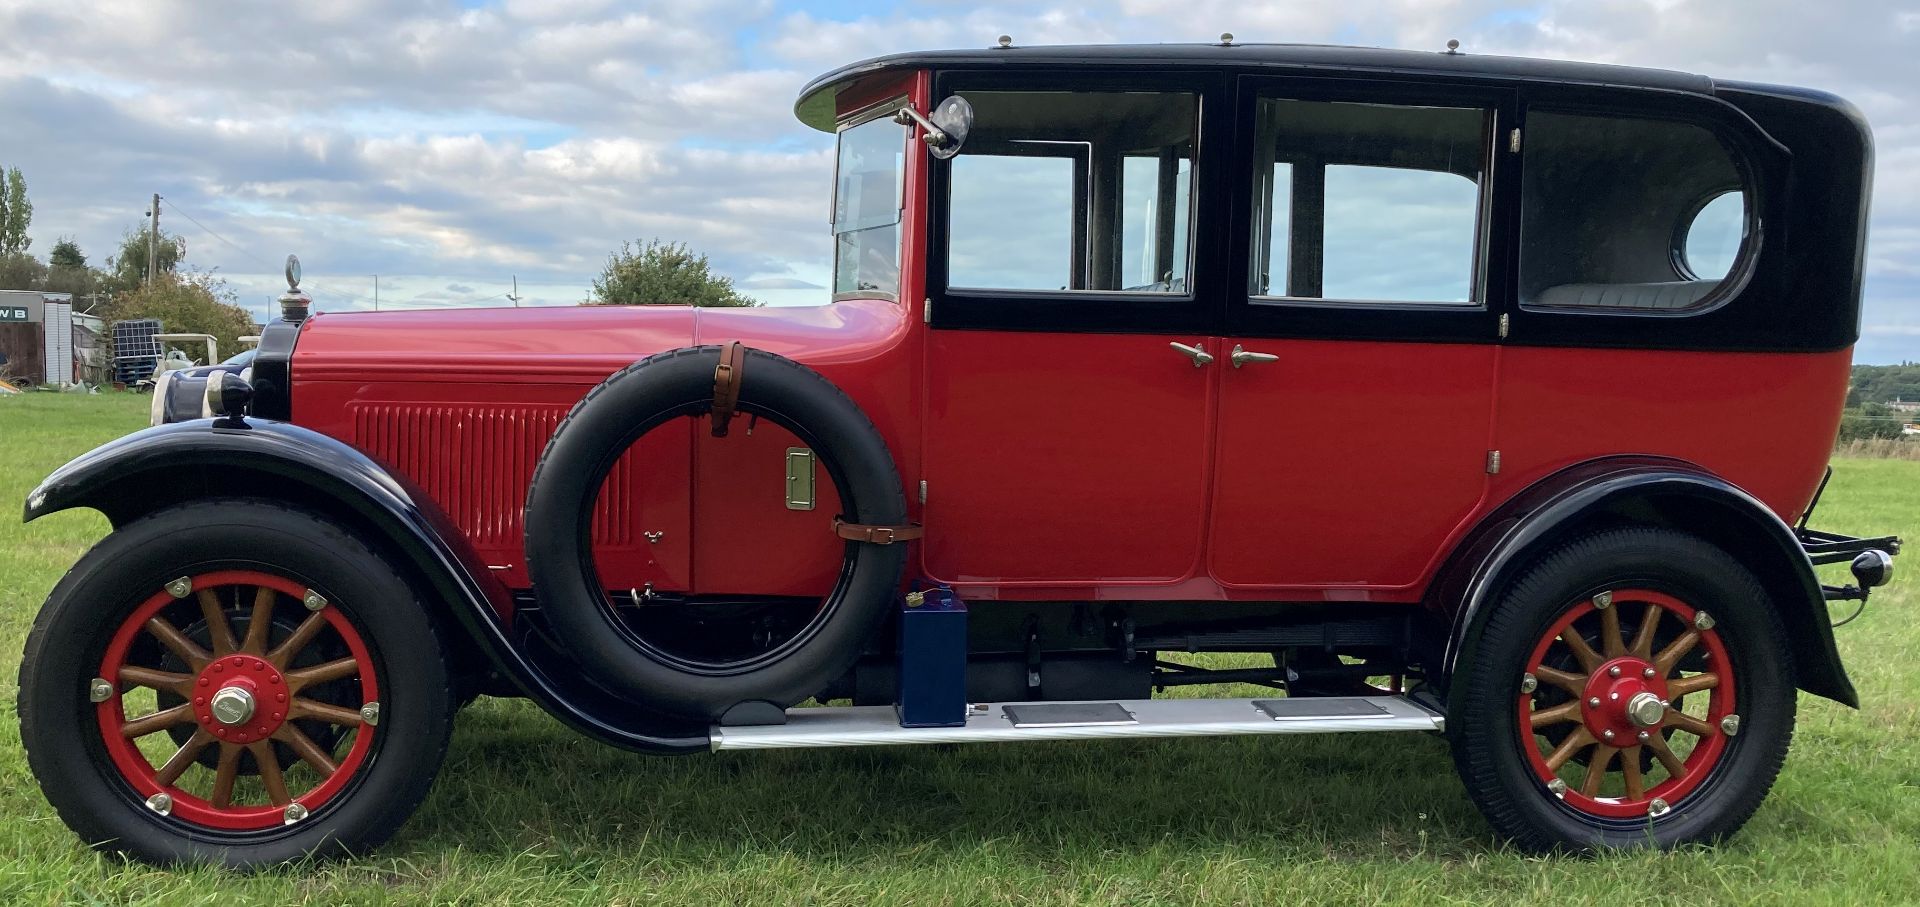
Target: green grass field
{"x": 527, "y": 812}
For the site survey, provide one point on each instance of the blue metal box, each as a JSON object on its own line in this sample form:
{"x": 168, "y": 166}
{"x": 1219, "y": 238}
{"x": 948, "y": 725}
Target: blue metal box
{"x": 932, "y": 689}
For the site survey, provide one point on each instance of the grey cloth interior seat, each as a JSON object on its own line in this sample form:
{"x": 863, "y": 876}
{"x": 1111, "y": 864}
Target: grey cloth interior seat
{"x": 1673, "y": 294}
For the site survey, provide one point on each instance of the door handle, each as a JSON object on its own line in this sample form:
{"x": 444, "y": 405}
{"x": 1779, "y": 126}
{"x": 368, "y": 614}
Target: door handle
{"x": 1199, "y": 356}
{"x": 1241, "y": 356}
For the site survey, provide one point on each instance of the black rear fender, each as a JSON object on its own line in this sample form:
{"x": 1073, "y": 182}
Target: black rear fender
{"x": 1642, "y": 491}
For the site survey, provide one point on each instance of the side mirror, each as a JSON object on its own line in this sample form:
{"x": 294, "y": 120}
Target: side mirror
{"x": 954, "y": 117}
{"x": 946, "y": 130}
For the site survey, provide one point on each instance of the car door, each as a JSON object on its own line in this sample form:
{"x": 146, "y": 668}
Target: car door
{"x": 1067, "y": 442}
{"x": 1356, "y": 390}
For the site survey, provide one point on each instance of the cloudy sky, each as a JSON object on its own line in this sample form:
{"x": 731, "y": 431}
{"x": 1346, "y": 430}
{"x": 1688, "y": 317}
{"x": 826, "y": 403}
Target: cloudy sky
{"x": 450, "y": 145}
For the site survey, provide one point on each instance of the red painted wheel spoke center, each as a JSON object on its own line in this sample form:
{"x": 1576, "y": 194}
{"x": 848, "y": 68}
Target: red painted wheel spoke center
{"x": 240, "y": 698}
{"x": 1606, "y": 706}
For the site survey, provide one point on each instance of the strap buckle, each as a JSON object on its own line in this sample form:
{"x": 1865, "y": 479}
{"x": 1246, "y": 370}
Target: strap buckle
{"x": 726, "y": 385}
{"x": 878, "y": 535}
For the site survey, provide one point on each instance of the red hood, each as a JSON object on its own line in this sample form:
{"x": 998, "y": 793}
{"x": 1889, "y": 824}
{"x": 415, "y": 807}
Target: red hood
{"x": 577, "y": 342}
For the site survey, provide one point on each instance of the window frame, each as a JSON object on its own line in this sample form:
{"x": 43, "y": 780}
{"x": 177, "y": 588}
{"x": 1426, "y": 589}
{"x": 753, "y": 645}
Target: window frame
{"x": 886, "y": 107}
{"x": 1194, "y": 312}
{"x": 1741, "y": 150}
{"x": 1716, "y": 321}
{"x": 1251, "y": 315}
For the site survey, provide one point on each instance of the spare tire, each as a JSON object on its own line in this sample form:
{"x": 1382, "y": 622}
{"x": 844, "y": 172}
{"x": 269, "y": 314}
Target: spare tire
{"x": 643, "y": 396}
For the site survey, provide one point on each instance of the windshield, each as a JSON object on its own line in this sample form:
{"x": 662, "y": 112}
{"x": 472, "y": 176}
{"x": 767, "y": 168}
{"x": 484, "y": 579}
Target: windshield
{"x": 870, "y": 174}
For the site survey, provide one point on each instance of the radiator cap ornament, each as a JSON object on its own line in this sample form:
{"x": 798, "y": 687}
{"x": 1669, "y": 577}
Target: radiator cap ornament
{"x": 293, "y": 305}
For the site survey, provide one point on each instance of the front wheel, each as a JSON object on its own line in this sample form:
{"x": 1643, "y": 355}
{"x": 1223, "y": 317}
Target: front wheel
{"x": 1631, "y": 689}
{"x": 233, "y": 682}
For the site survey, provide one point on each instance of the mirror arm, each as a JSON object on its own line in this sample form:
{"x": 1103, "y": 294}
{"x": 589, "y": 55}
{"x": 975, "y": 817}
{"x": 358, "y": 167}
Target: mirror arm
{"x": 935, "y": 137}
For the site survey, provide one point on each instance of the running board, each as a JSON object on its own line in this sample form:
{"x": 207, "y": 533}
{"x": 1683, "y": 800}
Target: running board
{"x": 878, "y": 725}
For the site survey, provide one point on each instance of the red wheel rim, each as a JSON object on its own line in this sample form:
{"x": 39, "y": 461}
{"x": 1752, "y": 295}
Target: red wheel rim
{"x": 269, "y": 685}
{"x": 1578, "y": 701}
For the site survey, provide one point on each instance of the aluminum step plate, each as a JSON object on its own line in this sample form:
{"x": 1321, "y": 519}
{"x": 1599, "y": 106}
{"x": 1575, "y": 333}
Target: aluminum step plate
{"x": 877, "y": 725}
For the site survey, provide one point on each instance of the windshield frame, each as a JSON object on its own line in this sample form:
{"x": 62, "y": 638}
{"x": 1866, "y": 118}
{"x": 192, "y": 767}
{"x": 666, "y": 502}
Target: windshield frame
{"x": 886, "y": 108}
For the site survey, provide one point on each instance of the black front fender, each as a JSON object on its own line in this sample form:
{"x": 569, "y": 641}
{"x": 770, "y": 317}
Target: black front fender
{"x": 169, "y": 464}
{"x": 1652, "y": 491}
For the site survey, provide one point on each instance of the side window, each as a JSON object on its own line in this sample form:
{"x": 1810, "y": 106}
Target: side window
{"x": 1368, "y": 202}
{"x": 1626, "y": 213}
{"x": 1070, "y": 191}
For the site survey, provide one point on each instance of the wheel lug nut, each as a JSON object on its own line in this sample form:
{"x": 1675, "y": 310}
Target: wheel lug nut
{"x": 1557, "y": 787}
{"x": 99, "y": 690}
{"x": 1529, "y": 683}
{"x": 1730, "y": 725}
{"x": 1607, "y": 734}
{"x": 1648, "y": 673}
{"x": 1657, "y": 808}
{"x": 1613, "y": 671}
{"x": 160, "y": 803}
{"x": 1603, "y": 601}
{"x": 1644, "y": 736}
{"x": 203, "y": 681}
{"x": 1702, "y": 620}
{"x": 1593, "y": 703}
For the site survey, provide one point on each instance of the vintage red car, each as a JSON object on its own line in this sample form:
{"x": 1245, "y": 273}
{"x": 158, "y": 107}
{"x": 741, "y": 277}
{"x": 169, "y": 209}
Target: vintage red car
{"x": 1485, "y": 395}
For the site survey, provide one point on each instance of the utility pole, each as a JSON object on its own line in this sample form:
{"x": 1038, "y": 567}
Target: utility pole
{"x": 153, "y": 236}
{"x": 515, "y": 295}
{"x": 376, "y": 292}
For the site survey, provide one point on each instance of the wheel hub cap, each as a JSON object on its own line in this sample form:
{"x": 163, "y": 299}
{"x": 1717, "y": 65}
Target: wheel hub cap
{"x": 1624, "y": 701}
{"x": 241, "y": 698}
{"x": 232, "y": 705}
{"x": 1646, "y": 709}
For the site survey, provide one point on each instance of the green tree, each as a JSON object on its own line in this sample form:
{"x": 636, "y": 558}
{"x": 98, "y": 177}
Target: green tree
{"x": 662, "y": 273}
{"x": 20, "y": 271}
{"x": 16, "y": 213}
{"x": 194, "y": 303}
{"x": 66, "y": 254}
{"x": 127, "y": 270}
{"x": 1868, "y": 421}
{"x": 67, "y": 270}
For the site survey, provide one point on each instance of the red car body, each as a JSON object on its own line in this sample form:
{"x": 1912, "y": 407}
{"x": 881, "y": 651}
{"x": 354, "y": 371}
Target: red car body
{"x": 1057, "y": 465}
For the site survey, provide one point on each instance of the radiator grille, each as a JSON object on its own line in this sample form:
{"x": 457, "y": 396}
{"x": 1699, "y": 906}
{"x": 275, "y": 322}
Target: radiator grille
{"x": 476, "y": 462}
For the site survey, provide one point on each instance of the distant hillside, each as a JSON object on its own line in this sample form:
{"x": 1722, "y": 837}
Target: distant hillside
{"x": 1885, "y": 383}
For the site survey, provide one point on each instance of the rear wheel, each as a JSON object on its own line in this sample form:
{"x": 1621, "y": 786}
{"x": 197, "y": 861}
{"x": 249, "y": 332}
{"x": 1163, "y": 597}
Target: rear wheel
{"x": 1631, "y": 689}
{"x": 236, "y": 682}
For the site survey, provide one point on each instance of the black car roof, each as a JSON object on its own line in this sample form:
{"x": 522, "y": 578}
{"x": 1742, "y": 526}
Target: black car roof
{"x": 815, "y": 105}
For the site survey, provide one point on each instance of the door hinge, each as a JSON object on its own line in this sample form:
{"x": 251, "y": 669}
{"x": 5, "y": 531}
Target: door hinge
{"x": 1513, "y": 140}
{"x": 1493, "y": 462}
{"x": 1504, "y": 325}
{"x": 926, "y": 311}
{"x": 923, "y": 492}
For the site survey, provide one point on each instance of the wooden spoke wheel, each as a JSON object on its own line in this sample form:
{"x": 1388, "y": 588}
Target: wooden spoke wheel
{"x": 237, "y": 682}
{"x": 1629, "y": 688}
{"x": 240, "y": 694}
{"x": 1606, "y": 692}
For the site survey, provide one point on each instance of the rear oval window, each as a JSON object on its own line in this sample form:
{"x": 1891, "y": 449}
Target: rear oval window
{"x": 1710, "y": 241}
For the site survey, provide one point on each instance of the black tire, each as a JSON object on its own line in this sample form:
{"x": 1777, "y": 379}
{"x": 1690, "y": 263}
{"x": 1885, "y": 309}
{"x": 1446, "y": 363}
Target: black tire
{"x": 604, "y": 425}
{"x": 64, "y": 648}
{"x": 1484, "y": 715}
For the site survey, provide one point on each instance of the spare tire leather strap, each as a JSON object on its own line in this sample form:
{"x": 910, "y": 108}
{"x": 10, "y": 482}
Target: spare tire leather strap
{"x": 878, "y": 535}
{"x": 726, "y": 385}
